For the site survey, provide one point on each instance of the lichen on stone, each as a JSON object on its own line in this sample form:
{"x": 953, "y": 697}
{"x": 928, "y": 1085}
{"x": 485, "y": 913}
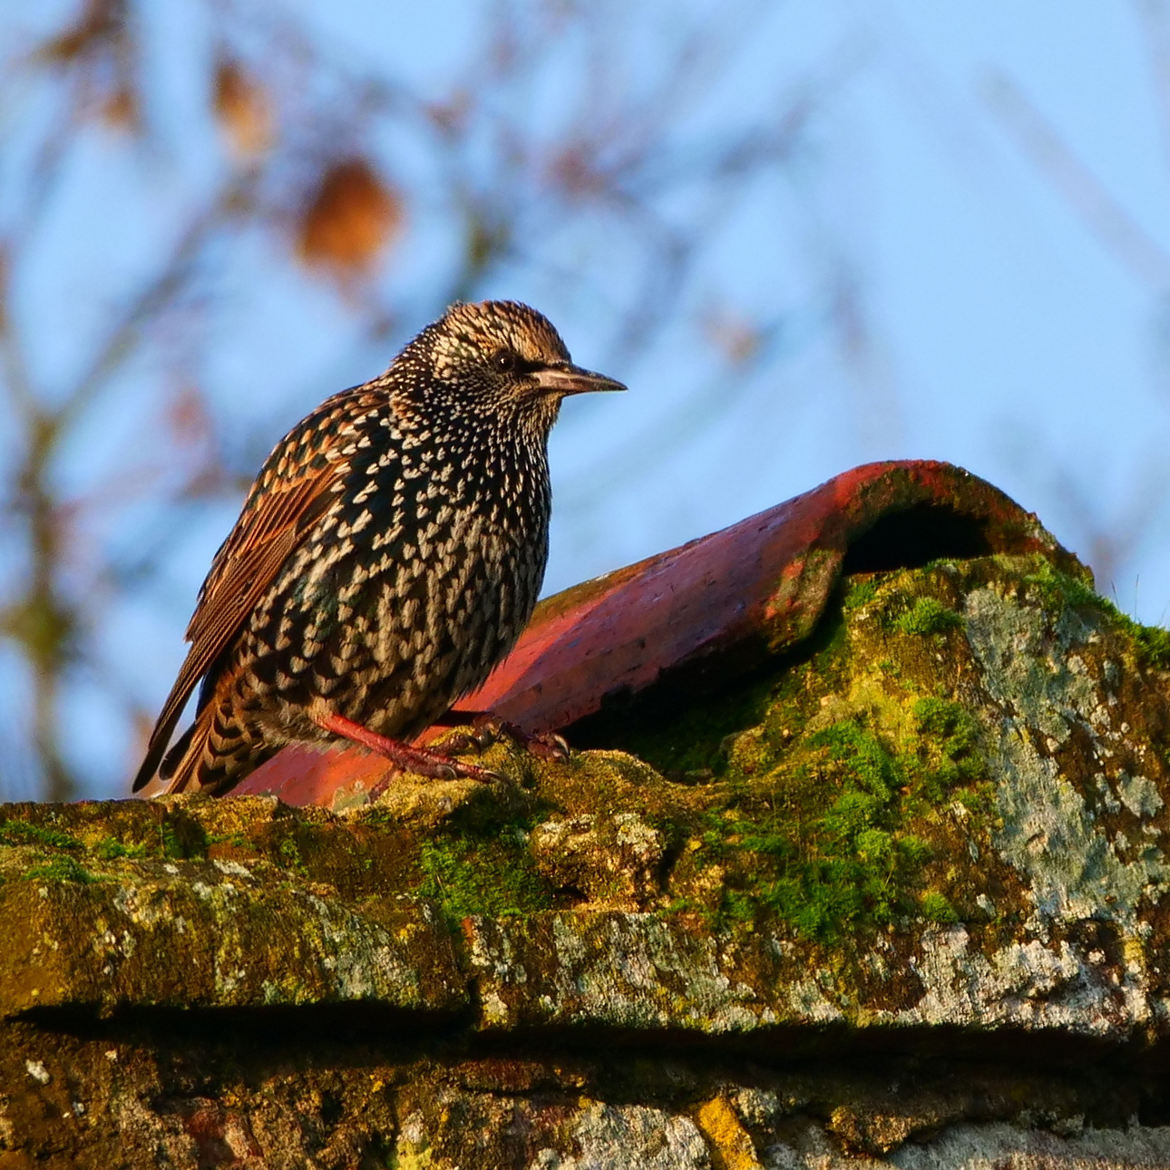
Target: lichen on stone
{"x": 941, "y": 819}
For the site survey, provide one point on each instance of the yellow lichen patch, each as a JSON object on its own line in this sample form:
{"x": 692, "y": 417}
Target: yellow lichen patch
{"x": 732, "y": 1146}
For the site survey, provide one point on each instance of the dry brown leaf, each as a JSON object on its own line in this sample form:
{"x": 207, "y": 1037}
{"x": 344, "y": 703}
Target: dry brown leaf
{"x": 243, "y": 109}
{"x": 349, "y": 218}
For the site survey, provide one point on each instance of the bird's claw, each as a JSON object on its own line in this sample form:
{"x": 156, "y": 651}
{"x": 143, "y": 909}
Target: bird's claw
{"x": 550, "y": 746}
{"x": 422, "y": 761}
{"x": 449, "y": 769}
{"x": 489, "y": 729}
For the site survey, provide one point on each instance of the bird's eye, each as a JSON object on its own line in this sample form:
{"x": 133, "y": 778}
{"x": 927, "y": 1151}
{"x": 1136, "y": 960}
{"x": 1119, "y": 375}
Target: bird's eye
{"x": 507, "y": 361}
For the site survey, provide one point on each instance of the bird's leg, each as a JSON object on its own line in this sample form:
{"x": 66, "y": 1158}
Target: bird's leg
{"x": 487, "y": 728}
{"x": 421, "y": 760}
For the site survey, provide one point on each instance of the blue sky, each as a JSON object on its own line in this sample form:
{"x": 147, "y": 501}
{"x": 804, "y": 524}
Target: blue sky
{"x": 1000, "y": 329}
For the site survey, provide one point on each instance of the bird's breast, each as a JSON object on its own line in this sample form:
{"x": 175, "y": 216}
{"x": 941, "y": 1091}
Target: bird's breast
{"x": 418, "y": 580}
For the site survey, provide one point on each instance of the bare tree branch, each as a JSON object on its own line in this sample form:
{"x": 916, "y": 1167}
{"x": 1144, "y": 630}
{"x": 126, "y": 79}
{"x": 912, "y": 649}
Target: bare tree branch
{"x": 1102, "y": 214}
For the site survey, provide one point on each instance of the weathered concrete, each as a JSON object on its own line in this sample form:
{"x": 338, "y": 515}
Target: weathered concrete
{"x": 895, "y": 897}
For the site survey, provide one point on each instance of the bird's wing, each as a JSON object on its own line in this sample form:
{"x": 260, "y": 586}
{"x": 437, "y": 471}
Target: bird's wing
{"x": 282, "y": 506}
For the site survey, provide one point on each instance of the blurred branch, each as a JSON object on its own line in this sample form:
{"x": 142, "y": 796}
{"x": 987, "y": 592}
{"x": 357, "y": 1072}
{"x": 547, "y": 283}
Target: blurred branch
{"x": 38, "y": 619}
{"x": 17, "y": 381}
{"x": 1156, "y": 27}
{"x": 157, "y": 295}
{"x": 1087, "y": 195}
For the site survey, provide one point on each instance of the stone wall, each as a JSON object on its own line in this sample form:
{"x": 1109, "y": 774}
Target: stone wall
{"x": 894, "y": 896}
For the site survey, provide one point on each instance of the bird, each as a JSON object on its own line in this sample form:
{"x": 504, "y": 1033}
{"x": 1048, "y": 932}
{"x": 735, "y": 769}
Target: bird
{"x": 387, "y": 557}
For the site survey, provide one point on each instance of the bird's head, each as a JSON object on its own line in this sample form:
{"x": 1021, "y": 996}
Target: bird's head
{"x": 497, "y": 359}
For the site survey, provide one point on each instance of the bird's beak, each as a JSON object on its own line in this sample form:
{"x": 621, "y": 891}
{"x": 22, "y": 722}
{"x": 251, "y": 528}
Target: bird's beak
{"x": 564, "y": 378}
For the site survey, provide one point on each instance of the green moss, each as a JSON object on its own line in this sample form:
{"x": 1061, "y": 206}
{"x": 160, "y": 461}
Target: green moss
{"x": 829, "y": 852}
{"x": 182, "y": 837}
{"x": 859, "y": 594}
{"x": 837, "y": 838}
{"x": 24, "y": 833}
{"x": 289, "y": 853}
{"x": 110, "y": 849}
{"x": 927, "y": 616}
{"x": 948, "y": 720}
{"x": 915, "y": 851}
{"x": 237, "y": 839}
{"x": 858, "y": 753}
{"x": 171, "y": 846}
{"x": 837, "y": 830}
{"x": 828, "y": 644}
{"x": 947, "y": 751}
{"x": 61, "y": 869}
{"x": 978, "y": 800}
{"x": 693, "y": 736}
{"x": 935, "y": 907}
{"x": 1152, "y": 643}
{"x": 493, "y": 877}
{"x": 1058, "y": 590}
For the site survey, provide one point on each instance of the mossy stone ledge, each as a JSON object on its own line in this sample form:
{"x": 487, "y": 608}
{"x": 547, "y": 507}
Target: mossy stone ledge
{"x": 895, "y": 895}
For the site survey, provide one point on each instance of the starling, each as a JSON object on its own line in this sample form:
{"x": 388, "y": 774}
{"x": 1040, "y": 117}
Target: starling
{"x": 387, "y": 557}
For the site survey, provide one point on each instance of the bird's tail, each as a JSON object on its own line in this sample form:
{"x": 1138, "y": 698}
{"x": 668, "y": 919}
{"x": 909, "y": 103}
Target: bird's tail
{"x": 214, "y": 754}
{"x": 177, "y": 768}
{"x": 181, "y": 765}
{"x": 211, "y": 755}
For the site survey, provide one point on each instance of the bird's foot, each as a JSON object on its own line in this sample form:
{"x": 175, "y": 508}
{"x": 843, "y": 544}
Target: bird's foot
{"x": 488, "y": 728}
{"x": 439, "y": 765}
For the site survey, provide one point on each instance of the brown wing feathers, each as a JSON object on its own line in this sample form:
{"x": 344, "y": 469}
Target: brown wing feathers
{"x": 273, "y": 523}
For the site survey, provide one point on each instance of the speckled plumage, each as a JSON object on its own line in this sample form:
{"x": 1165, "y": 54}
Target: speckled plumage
{"x": 388, "y": 555}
